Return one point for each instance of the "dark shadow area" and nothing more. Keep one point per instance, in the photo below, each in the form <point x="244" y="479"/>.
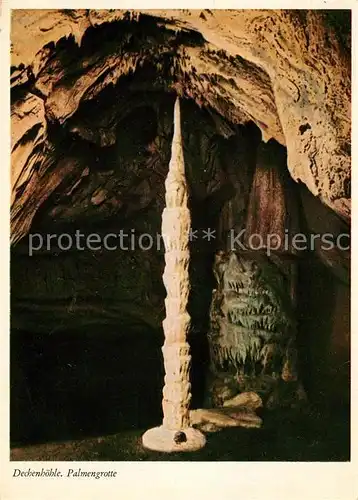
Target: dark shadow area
<point x="75" y="384"/>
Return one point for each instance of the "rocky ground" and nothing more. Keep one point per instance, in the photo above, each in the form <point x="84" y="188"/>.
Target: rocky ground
<point x="304" y="436"/>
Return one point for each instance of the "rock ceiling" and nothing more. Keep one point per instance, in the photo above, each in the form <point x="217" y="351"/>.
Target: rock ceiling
<point x="286" y="71"/>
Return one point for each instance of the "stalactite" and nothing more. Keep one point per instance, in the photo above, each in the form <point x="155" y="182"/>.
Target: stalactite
<point x="175" y="434"/>
<point x="253" y="327"/>
<point x="252" y="323"/>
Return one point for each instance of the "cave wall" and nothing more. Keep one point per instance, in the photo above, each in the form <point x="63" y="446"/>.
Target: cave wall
<point x="74" y="292"/>
<point x="122" y="290"/>
<point x="283" y="69"/>
<point x="324" y="334"/>
<point x="318" y="277"/>
<point x="92" y="98"/>
<point x="112" y="301"/>
<point x="121" y="188"/>
<point x="324" y="298"/>
<point x="69" y="291"/>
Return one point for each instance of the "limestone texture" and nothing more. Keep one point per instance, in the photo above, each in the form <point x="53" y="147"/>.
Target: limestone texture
<point x="288" y="71"/>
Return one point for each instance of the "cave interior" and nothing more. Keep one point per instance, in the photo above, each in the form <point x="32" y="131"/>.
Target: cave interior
<point x="93" y="122"/>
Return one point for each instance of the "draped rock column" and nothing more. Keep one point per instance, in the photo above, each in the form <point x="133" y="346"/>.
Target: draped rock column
<point x="252" y="337"/>
<point x="273" y="212"/>
<point x="175" y="433"/>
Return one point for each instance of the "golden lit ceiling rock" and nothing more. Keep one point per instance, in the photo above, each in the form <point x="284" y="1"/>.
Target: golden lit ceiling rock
<point x="284" y="70"/>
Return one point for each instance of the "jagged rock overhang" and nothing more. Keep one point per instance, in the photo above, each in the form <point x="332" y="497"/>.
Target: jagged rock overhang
<point x="286" y="71"/>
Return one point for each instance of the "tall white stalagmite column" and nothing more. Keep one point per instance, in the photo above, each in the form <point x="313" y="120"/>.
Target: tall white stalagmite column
<point x="175" y="433"/>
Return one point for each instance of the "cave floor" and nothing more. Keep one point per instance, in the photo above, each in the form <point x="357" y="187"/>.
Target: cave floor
<point x="285" y="436"/>
<point x="88" y="404"/>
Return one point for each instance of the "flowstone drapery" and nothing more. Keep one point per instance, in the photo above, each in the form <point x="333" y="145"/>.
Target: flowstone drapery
<point x="252" y="336"/>
<point x="175" y="434"/>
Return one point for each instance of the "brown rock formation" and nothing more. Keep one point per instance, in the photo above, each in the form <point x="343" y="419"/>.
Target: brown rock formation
<point x="285" y="70"/>
<point x="92" y="103"/>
